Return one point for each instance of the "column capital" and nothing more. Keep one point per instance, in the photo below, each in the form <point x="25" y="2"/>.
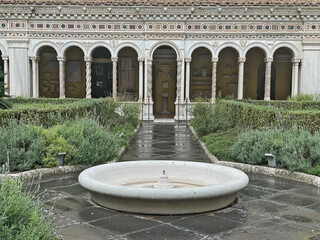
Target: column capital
<point x="88" y="59"/>
<point x="241" y="59"/>
<point x="149" y="61"/>
<point x="5" y="57"/>
<point x="179" y="60"/>
<point x="61" y="58"/>
<point x="34" y="58"/>
<point x="188" y="59"/>
<point x="268" y="59"/>
<point x="295" y="60"/>
<point x="140" y="59"/>
<point x="214" y="59"/>
<point x="114" y="59"/>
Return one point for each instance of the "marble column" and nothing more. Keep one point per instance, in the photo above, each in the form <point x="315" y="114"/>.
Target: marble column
<point x="295" y="77"/>
<point x="179" y="97"/>
<point x="88" y="61"/>
<point x="240" y="77"/>
<point x="267" y="86"/>
<point x="149" y="79"/>
<point x="6" y="74"/>
<point x="114" y="77"/>
<point x="62" y="81"/>
<point x="188" y="62"/>
<point x="141" y="59"/>
<point x="214" y="61"/>
<point x="35" y="80"/>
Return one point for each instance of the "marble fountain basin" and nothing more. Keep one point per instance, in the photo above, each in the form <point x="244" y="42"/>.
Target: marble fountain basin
<point x="163" y="187"/>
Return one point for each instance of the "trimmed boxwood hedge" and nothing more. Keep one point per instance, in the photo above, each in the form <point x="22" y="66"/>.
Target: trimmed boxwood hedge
<point x="42" y="111"/>
<point x="285" y="105"/>
<point x="258" y="116"/>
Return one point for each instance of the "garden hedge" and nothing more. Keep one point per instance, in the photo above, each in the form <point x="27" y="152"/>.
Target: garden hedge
<point x="285" y="105"/>
<point x="42" y="111"/>
<point x="258" y="115"/>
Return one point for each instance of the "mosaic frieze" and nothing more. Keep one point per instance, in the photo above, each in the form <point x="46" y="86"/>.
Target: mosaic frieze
<point x="159" y="27"/>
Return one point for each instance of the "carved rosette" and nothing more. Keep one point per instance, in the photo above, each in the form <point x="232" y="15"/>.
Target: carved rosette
<point x="179" y="67"/>
<point x="114" y="77"/>
<point x="214" y="79"/>
<point x="88" y="76"/>
<point x="62" y="76"/>
<point x="267" y="79"/>
<point x="149" y="74"/>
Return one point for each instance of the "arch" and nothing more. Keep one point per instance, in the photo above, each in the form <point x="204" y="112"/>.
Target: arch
<point x="48" y="72"/>
<point x="73" y="44"/>
<point x="38" y="46"/>
<point x="229" y="45"/>
<point x="165" y="43"/>
<point x="100" y="44"/>
<point x="199" y="45"/>
<point x="290" y="46"/>
<point x="261" y="46"/>
<point x="131" y="45"/>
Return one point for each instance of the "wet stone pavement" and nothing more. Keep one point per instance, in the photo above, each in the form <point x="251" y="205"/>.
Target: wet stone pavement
<point x="268" y="208"/>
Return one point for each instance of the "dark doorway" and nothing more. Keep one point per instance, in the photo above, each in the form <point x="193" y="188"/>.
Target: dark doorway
<point x="101" y="79"/>
<point x="164" y="80"/>
<point x="101" y="73"/>
<point x="261" y="82"/>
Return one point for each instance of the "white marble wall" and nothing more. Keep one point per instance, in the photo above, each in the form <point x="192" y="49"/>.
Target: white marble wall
<point x="310" y="82"/>
<point x="19" y="68"/>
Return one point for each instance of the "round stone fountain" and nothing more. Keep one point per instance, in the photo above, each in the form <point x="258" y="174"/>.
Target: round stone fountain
<point x="163" y="187"/>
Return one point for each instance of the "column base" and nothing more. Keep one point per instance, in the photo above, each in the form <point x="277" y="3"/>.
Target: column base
<point x="183" y="111"/>
<point x="147" y="111"/>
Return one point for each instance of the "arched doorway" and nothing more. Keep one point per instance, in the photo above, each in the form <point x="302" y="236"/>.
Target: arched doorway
<point x="200" y="74"/>
<point x="254" y="76"/>
<point x="75" y="73"/>
<point x="227" y="73"/>
<point x="164" y="80"/>
<point x="128" y="74"/>
<point x="283" y="75"/>
<point x="101" y="73"/>
<point x="48" y="73"/>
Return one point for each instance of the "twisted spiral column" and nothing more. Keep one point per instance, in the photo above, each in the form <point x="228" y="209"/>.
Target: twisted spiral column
<point x="88" y="61"/>
<point x="114" y="77"/>
<point x="214" y="79"/>
<point x="179" y="63"/>
<point x="149" y="84"/>
<point x="62" y="61"/>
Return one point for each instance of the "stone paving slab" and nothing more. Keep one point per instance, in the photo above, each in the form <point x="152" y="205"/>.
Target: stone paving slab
<point x="268" y="208"/>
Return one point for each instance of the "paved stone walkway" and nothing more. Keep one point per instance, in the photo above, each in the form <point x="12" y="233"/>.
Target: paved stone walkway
<point x="268" y="208"/>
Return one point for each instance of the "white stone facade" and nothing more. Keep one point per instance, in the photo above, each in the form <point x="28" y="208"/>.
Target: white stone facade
<point x="25" y="29"/>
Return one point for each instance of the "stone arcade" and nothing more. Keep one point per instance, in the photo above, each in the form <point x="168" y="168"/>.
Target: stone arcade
<point x="161" y="54"/>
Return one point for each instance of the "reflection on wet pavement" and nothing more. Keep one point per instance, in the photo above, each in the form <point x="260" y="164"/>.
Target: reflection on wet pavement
<point x="268" y="208"/>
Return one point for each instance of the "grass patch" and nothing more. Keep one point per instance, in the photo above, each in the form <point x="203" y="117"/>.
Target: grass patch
<point x="219" y="143"/>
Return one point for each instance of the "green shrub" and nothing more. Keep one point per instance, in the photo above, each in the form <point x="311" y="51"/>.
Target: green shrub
<point x="210" y="118"/>
<point x="220" y="142"/>
<point x="54" y="144"/>
<point x="250" y="147"/>
<point x="294" y="149"/>
<point x="92" y="142"/>
<point x="305" y="97"/>
<point x="20" y="147"/>
<point x="21" y="214"/>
